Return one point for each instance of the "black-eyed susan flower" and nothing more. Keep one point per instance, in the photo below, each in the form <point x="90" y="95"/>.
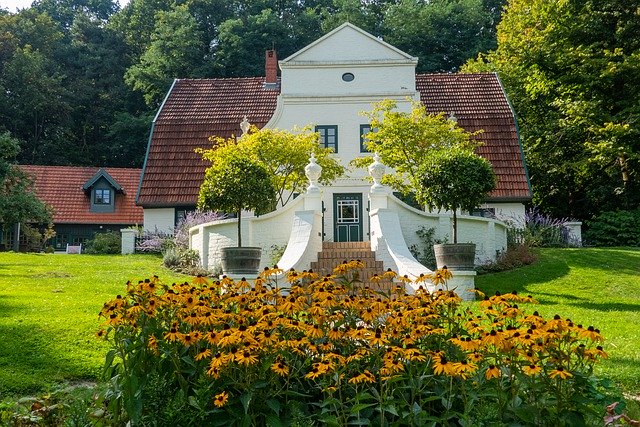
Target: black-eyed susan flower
<point x="532" y="370"/>
<point x="221" y="399"/>
<point x="172" y="335"/>
<point x="560" y="372"/>
<point x="203" y="354"/>
<point x="365" y="377"/>
<point x="280" y="368"/>
<point x="492" y="372"/>
<point x="441" y="365"/>
<point x="246" y="358"/>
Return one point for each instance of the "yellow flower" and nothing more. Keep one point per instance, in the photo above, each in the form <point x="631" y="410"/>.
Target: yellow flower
<point x="532" y="370"/>
<point x="172" y="335"/>
<point x="221" y="399"/>
<point x="492" y="372"/>
<point x="389" y="274"/>
<point x="315" y="373"/>
<point x="187" y="339"/>
<point x="591" y="333"/>
<point x="414" y="354"/>
<point x="280" y="368"/>
<point x="246" y="358"/>
<point x="464" y="368"/>
<point x="200" y="280"/>
<point x="442" y="366"/>
<point x="203" y="354"/>
<point x="560" y="372"/>
<point x="365" y="377"/>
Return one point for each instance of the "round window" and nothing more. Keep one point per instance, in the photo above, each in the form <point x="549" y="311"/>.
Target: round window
<point x="348" y="77"/>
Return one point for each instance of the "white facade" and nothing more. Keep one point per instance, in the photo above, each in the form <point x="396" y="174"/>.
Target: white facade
<point x="161" y="220"/>
<point x="314" y="92"/>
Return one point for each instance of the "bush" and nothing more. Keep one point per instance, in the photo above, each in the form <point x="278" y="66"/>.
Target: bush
<point x="514" y="257"/>
<point x="317" y="351"/>
<point x="540" y="230"/>
<point x="620" y="228"/>
<point x="104" y="244"/>
<point x="191" y="219"/>
<point x="154" y="242"/>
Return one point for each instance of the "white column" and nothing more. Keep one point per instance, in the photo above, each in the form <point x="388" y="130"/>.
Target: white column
<point x="128" y="245"/>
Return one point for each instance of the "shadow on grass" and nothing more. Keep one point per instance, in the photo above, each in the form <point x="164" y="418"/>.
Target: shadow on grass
<point x="548" y="268"/>
<point x="620" y="260"/>
<point x="612" y="306"/>
<point x="29" y="361"/>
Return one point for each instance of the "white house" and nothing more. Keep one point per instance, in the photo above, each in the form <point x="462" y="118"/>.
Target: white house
<point x="328" y="84"/>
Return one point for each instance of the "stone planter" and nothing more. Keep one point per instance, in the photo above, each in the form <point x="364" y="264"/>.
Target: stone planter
<point x="460" y="256"/>
<point x="241" y="261"/>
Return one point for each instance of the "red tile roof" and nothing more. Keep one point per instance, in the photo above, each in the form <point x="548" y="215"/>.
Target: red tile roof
<point x="196" y="109"/>
<point x="479" y="103"/>
<point x="61" y="188"/>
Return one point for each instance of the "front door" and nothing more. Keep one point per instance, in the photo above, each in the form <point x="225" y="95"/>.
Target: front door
<point x="347" y="208"/>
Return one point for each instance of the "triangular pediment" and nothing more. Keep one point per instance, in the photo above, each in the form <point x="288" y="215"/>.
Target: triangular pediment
<point x="348" y="44"/>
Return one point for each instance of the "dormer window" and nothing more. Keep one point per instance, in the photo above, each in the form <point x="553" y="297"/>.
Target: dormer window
<point x="102" y="190"/>
<point x="102" y="196"/>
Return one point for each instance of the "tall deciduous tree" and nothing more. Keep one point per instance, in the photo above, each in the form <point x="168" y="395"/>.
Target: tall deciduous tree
<point x="405" y="142"/>
<point x="442" y="33"/>
<point x="175" y="51"/>
<point x="572" y="70"/>
<point x="18" y="202"/>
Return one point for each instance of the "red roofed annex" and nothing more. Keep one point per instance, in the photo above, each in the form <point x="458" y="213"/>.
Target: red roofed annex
<point x="86" y="200"/>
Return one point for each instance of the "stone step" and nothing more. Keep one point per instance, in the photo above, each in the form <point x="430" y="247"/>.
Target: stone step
<point x="346" y="254"/>
<point x="346" y="245"/>
<point x="330" y="264"/>
<point x="335" y="253"/>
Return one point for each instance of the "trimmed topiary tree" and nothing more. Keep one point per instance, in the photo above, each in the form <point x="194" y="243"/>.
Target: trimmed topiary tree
<point x="234" y="183"/>
<point x="456" y="178"/>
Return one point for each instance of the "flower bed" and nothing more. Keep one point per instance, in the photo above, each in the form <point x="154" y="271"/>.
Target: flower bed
<point x="325" y="350"/>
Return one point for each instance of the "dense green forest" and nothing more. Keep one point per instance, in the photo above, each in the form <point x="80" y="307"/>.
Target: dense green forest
<point x="80" y="80"/>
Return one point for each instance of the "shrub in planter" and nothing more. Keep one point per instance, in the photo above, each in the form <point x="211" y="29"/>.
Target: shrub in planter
<point x="315" y="350"/>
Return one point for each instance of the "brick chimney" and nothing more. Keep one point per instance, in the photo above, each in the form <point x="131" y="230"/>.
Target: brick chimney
<point x="271" y="69"/>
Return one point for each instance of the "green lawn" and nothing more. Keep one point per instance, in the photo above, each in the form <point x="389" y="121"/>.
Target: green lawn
<point x="599" y="287"/>
<point x="49" y="307"/>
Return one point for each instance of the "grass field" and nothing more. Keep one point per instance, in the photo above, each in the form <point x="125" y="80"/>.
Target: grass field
<point x="594" y="286"/>
<point x="49" y="306"/>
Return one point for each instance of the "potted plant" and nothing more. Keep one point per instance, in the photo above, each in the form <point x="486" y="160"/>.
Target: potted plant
<point x="456" y="178"/>
<point x="233" y="183"/>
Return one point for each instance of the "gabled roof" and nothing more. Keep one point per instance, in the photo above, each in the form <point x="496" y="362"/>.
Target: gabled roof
<point x="350" y="44"/>
<point x="62" y="188"/>
<point x="96" y="177"/>
<point x="194" y="110"/>
<point x="479" y="103"/>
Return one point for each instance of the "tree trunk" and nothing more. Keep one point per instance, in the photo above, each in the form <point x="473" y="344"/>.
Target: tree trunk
<point x="455" y="226"/>
<point x="239" y="229"/>
<point x="16" y="237"/>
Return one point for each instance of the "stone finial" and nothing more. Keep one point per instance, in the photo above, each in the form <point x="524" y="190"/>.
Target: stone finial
<point x="313" y="171"/>
<point x="376" y="170"/>
<point x="244" y="125"/>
